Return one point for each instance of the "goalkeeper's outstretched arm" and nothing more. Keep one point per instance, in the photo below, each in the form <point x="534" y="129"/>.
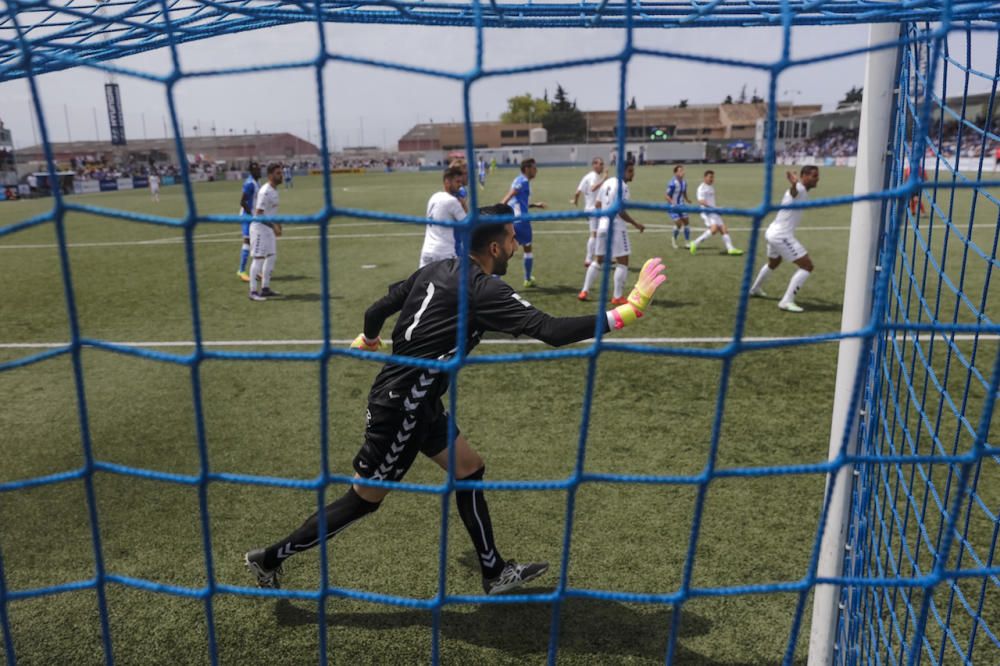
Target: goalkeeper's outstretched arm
<point x="507" y="312"/>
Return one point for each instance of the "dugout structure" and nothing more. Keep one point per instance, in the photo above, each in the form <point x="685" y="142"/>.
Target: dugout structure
<point x="903" y="567"/>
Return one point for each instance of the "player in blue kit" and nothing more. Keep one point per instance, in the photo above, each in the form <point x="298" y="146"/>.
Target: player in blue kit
<point x="246" y="212"/>
<point x="677" y="194"/>
<point x="519" y="199"/>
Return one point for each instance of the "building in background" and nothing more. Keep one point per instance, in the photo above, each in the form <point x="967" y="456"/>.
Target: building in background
<point x="451" y="136"/>
<point x="233" y="151"/>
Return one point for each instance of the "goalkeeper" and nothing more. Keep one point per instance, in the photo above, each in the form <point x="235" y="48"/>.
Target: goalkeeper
<point x="405" y="412"/>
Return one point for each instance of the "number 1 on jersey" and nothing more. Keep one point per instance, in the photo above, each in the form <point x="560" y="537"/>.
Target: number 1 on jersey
<point x="423" y="306"/>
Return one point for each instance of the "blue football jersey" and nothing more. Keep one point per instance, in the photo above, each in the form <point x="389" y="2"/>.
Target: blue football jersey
<point x="250" y="187"/>
<point x="522" y="187"/>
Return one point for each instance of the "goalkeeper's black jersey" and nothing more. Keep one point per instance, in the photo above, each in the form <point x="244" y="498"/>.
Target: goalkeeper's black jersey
<point x="428" y="326"/>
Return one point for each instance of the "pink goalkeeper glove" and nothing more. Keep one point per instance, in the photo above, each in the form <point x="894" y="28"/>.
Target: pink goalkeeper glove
<point x="650" y="277"/>
<point x="364" y="344"/>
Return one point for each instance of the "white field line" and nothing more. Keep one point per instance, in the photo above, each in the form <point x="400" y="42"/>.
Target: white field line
<point x="499" y="341"/>
<point x="234" y="237"/>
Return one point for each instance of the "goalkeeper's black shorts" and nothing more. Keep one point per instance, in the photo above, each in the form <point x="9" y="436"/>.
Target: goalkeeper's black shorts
<point x="394" y="436"/>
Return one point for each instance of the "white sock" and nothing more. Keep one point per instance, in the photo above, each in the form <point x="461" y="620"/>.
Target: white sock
<point x="592" y="272"/>
<point x="704" y="236"/>
<point x="591" y="241"/>
<point x="728" y="241"/>
<point x="798" y="279"/>
<point x="265" y="281"/>
<point x="765" y="272"/>
<point x="256" y="266"/>
<point x="621" y="274"/>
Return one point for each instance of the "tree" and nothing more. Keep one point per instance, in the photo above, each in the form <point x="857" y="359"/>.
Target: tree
<point x="852" y="96"/>
<point x="632" y="105"/>
<point x="564" y="122"/>
<point x="524" y="109"/>
<point x="561" y="101"/>
<point x="743" y="95"/>
<point x="728" y="100"/>
<point x="683" y="104"/>
<point x="756" y="99"/>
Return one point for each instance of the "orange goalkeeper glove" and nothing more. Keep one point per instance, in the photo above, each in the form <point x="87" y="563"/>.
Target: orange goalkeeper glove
<point x="365" y="344"/>
<point x="650" y="277"/>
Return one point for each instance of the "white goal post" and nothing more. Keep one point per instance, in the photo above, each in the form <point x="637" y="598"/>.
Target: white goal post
<point x="877" y="111"/>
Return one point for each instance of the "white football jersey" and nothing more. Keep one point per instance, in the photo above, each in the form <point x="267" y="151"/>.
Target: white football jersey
<point x="267" y="201"/>
<point x="706" y="193"/>
<point x="439" y="241"/>
<point x="609" y="193"/>
<point x="587" y="188"/>
<point x="154" y="182"/>
<point x="787" y="220"/>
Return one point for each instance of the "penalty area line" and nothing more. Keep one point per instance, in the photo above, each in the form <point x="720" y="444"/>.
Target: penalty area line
<point x="488" y="341"/>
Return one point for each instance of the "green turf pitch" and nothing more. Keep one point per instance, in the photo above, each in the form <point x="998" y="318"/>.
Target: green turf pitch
<point x="652" y="415"/>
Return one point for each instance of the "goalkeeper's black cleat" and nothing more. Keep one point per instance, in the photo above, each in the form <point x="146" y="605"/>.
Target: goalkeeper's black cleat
<point x="267" y="578"/>
<point x="514" y="575"/>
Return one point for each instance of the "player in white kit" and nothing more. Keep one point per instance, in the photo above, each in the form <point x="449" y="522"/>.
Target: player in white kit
<point x="713" y="221"/>
<point x="588" y="188"/>
<point x="264" y="235"/>
<point x="440" y="241"/>
<point x="154" y="186"/>
<point x="620" y="246"/>
<point x="781" y="241"/>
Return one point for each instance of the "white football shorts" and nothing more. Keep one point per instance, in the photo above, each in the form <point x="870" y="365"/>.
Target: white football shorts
<point x="620" y="247"/>
<point x="712" y="219"/>
<point x="592" y="221"/>
<point x="784" y="246"/>
<point x="263" y="242"/>
<point x="430" y="257"/>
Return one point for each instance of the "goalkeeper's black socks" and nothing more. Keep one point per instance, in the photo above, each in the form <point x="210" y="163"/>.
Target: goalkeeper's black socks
<point x="476" y="516"/>
<point x="339" y="515"/>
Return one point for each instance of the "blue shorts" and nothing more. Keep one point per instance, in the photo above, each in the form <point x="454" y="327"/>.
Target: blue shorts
<point x="246" y="226"/>
<point x="522" y="233"/>
<point x="678" y="216"/>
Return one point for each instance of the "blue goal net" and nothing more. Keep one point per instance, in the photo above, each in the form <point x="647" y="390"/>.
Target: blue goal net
<point x="919" y="581"/>
<point x="924" y="523"/>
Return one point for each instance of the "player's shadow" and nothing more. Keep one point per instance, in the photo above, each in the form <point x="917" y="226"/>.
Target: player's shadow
<point x="554" y="290"/>
<point x="820" y="305"/>
<point x="587" y="627"/>
<point x="289" y="278"/>
<point x="307" y="298"/>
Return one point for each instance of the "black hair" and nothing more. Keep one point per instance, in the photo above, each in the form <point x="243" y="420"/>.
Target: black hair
<point x="709" y="172"/>
<point x="491" y="232"/>
<point x="678" y="166"/>
<point x="527" y="162"/>
<point x="809" y="168"/>
<point x="453" y="172"/>
<point x="272" y="167"/>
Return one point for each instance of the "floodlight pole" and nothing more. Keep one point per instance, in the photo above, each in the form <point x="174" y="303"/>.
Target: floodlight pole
<point x="877" y="106"/>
